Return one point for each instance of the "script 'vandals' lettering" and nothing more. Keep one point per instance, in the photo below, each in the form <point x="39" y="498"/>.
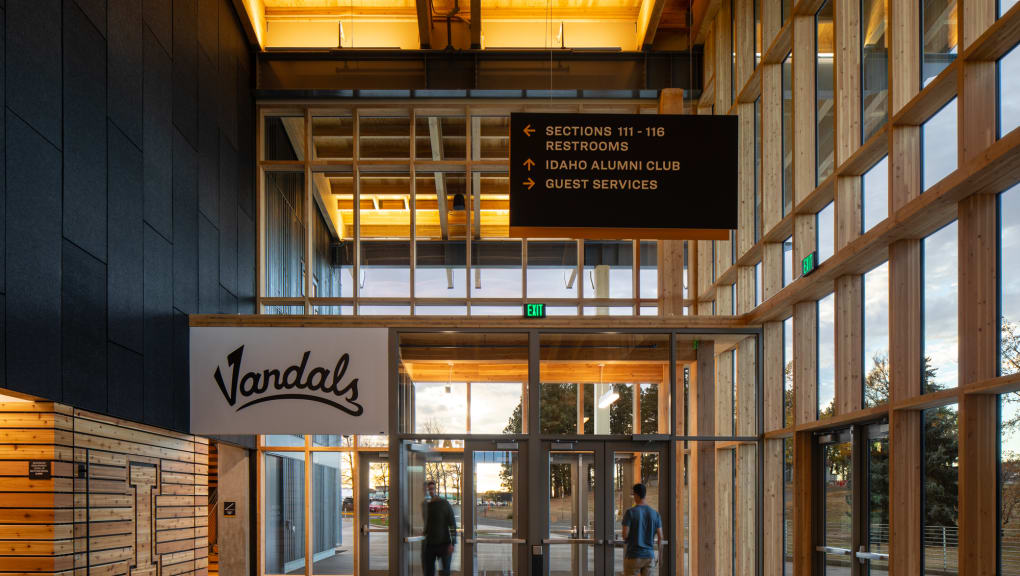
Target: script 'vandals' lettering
<point x="318" y="381"/>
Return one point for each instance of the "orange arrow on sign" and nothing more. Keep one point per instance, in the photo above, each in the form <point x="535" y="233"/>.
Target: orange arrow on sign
<point x="529" y="183"/>
<point x="529" y="163"/>
<point x="528" y="130"/>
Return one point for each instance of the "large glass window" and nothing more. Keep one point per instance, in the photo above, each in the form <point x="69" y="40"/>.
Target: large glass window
<point x="552" y="269"/>
<point x="787" y="159"/>
<point x="284" y="138"/>
<point x="332" y="520"/>
<point x="733" y="52"/>
<point x="939" y="37"/>
<point x="938" y="146"/>
<point x="788" y="261"/>
<point x="875" y="194"/>
<point x="1004" y="6"/>
<point x="649" y="270"/>
<point x="940" y="291"/>
<point x="825" y="141"/>
<point x="874" y="66"/>
<point x="827" y="356"/>
<point x="757" y="32"/>
<point x="385" y="229"/>
<point x="284" y="509"/>
<point x="876" y="335"/>
<point x="285" y="234"/>
<point x="1009" y="279"/>
<point x="825" y="230"/>
<point x="608" y="269"/>
<point x="440" y="228"/>
<point x="1009" y="86"/>
<point x="1009" y="483"/>
<point x="940" y="533"/>
<point x="463" y="383"/>
<point x="787" y="555"/>
<point x="758" y="288"/>
<point x="604" y="384"/>
<point x="342" y="241"/>
<point x="788" y="372"/>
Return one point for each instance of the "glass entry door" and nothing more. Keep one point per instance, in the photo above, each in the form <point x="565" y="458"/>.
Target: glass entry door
<point x="873" y="551"/>
<point x="836" y="477"/>
<point x="374" y="513"/>
<point x="853" y="485"/>
<point x="495" y="518"/>
<point x="424" y="463"/>
<point x="590" y="490"/>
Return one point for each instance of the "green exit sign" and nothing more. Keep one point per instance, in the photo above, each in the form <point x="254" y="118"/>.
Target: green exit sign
<point x="534" y="310"/>
<point x="809" y="264"/>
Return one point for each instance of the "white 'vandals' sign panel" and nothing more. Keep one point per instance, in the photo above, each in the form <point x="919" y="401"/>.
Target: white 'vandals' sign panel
<point x="261" y="380"/>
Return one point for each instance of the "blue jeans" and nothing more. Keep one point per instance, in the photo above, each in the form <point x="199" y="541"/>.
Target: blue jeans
<point x="429" y="555"/>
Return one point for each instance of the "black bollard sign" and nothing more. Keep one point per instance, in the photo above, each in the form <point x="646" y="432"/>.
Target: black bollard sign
<point x="619" y="176"/>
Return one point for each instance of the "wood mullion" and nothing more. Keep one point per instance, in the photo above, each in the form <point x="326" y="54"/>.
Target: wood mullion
<point x="979" y="361"/>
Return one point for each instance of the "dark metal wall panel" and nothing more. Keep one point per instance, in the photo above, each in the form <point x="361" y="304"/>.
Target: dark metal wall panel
<point x="208" y="267"/>
<point x="185" y="69"/>
<point x="113" y="192"/>
<point x="33" y="64"/>
<point x="228" y="216"/>
<point x="124" y="280"/>
<point x="84" y="73"/>
<point x="157" y="344"/>
<point x="124" y="395"/>
<point x="185" y="184"/>
<point x="124" y="54"/>
<point x="83" y="328"/>
<point x="157" y="135"/>
<point x="33" y="261"/>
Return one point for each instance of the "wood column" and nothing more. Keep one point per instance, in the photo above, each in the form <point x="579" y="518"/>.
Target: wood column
<point x="671" y="252"/>
<point x="701" y="478"/>
<point x="805" y="371"/>
<point x="747" y="458"/>
<point x="849" y="344"/>
<point x="905" y="425"/>
<point x="978" y="413"/>
<point x="805" y="504"/>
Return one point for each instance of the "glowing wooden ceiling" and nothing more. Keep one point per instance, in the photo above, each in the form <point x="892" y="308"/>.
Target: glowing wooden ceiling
<point x="408" y="24"/>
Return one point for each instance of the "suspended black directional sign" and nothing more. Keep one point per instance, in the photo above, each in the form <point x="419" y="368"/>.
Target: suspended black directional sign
<point x="623" y="176"/>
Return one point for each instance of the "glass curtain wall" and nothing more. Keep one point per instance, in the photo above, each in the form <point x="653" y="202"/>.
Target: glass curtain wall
<point x="825" y="142"/>
<point x="1009" y="363"/>
<point x="874" y="66"/>
<point x="310" y="481"/>
<point x="400" y="210"/>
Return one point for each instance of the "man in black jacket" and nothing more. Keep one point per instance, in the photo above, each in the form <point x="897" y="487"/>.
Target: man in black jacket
<point x="440" y="533"/>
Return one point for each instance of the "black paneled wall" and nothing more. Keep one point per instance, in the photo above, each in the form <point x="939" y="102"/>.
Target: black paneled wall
<point x="126" y="196"/>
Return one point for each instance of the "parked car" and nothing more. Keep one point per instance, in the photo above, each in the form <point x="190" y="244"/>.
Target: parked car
<point x="348" y="504"/>
<point x="375" y="506"/>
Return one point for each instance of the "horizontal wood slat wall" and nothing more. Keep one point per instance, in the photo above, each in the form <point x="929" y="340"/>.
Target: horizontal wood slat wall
<point x="123" y="498"/>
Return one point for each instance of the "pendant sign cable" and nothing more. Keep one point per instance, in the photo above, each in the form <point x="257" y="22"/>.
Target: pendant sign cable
<point x="619" y="176"/>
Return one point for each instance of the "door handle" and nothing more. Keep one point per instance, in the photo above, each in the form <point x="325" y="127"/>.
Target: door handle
<point x="364" y="529"/>
<point x="833" y="550"/>
<point x="863" y="555"/>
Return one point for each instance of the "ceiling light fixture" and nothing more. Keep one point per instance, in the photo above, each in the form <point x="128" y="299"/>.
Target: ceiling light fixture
<point x="609" y="396"/>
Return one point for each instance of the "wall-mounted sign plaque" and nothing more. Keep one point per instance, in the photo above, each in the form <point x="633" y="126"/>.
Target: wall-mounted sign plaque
<point x="39" y="469"/>
<point x="620" y="176"/>
<point x="261" y="380"/>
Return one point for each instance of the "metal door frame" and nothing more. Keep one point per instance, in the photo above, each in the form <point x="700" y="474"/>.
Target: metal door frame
<point x="666" y="499"/>
<point x="365" y="460"/>
<point x="535" y="458"/>
<point x="859" y="436"/>
<point x="520" y="502"/>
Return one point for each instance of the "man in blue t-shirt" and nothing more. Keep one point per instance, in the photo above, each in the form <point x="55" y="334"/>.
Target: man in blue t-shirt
<point x="640" y="524"/>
